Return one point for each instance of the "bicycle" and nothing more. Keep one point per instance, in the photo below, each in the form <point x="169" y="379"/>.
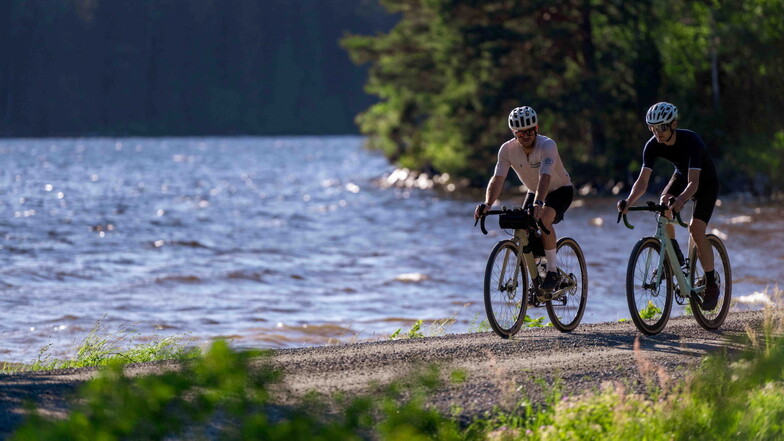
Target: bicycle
<point x="652" y="265"/>
<point x="513" y="262"/>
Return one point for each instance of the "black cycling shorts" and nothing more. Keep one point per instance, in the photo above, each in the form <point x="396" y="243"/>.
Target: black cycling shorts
<point x="704" y="199"/>
<point x="559" y="199"/>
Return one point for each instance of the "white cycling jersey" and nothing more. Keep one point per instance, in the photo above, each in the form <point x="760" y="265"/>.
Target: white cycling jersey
<point x="544" y="159"/>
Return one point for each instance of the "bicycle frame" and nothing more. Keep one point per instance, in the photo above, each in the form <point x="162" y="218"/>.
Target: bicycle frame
<point x="685" y="285"/>
<point x="521" y="237"/>
<point x="513" y="263"/>
<point x="688" y="286"/>
<point x="664" y="240"/>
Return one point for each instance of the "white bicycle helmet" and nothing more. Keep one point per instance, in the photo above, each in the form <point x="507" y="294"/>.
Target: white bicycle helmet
<point x="523" y="118"/>
<point x="661" y="113"/>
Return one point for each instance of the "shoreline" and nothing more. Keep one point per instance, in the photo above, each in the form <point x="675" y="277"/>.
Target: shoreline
<point x="533" y="362"/>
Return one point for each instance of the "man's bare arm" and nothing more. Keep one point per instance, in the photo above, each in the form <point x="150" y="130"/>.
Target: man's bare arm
<point x="639" y="188"/>
<point x="494" y="188"/>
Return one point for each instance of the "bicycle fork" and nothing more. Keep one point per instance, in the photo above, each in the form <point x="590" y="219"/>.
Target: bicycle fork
<point x="503" y="283"/>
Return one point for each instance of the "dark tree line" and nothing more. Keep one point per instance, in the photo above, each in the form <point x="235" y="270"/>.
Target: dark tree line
<point x="450" y="71"/>
<point x="444" y="73"/>
<point x="181" y="67"/>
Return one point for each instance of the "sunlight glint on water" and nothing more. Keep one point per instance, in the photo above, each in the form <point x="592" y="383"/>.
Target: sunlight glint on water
<point x="272" y="242"/>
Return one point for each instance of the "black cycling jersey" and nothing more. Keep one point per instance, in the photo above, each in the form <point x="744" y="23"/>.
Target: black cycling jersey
<point x="688" y="151"/>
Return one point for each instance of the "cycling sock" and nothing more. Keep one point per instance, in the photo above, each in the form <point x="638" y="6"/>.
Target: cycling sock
<point x="678" y="252"/>
<point x="550" y="256"/>
<point x="710" y="277"/>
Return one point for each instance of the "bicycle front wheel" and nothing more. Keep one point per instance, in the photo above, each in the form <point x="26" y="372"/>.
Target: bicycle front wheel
<point x="506" y="285"/>
<point x="649" y="298"/>
<point x="721" y="263"/>
<point x="567" y="308"/>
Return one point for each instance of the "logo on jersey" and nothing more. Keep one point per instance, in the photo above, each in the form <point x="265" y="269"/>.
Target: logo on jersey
<point x="548" y="162"/>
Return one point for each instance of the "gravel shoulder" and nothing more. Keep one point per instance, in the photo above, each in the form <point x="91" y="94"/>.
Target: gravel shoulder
<point x="498" y="371"/>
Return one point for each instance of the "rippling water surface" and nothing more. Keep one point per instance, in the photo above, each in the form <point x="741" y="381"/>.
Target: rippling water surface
<point x="273" y="242"/>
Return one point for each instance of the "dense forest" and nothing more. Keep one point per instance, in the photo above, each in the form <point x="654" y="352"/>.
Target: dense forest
<point x="450" y="71"/>
<point x="181" y="67"/>
<point x="431" y="81"/>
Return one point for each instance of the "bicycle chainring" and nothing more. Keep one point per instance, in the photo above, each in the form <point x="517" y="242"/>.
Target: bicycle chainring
<point x="679" y="299"/>
<point x="533" y="298"/>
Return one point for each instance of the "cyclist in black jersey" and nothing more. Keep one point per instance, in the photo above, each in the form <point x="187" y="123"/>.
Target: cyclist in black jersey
<point x="694" y="178"/>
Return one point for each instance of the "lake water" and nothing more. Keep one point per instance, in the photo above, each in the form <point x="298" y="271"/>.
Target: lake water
<point x="276" y="242"/>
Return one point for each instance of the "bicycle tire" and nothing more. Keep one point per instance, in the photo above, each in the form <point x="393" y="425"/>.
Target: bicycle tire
<point x="649" y="309"/>
<point x="505" y="300"/>
<point x="713" y="319"/>
<point x="571" y="262"/>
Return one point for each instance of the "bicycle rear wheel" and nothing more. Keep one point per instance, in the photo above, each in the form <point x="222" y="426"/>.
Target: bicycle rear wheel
<point x="567" y="308"/>
<point x="712" y="319"/>
<point x="505" y="294"/>
<point x="649" y="302"/>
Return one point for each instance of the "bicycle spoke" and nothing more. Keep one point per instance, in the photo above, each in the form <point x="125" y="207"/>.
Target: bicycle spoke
<point x="649" y="294"/>
<point x="568" y="304"/>
<point x="714" y="318"/>
<point x="504" y="290"/>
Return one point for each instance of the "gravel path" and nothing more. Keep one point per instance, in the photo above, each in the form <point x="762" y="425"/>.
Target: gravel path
<point x="498" y="371"/>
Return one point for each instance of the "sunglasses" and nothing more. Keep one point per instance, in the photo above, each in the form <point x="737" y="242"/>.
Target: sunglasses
<point x="659" y="128"/>
<point x="528" y="132"/>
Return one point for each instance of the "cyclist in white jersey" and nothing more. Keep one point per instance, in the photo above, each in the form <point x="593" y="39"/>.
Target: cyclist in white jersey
<point x="536" y="161"/>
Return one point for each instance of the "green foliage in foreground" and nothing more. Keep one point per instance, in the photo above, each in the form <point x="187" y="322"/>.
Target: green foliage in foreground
<point x="227" y="394"/>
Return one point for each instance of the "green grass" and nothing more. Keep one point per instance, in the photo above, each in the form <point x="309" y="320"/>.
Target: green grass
<point x="650" y="311"/>
<point x="414" y="332"/>
<point x="479" y="324"/>
<point x="535" y="322"/>
<point x="101" y="348"/>
<point x="727" y="398"/>
<point x="440" y="327"/>
<point x="226" y="394"/>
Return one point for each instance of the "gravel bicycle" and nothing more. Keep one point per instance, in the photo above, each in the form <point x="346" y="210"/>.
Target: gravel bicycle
<point x="653" y="265"/>
<point x="516" y="268"/>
